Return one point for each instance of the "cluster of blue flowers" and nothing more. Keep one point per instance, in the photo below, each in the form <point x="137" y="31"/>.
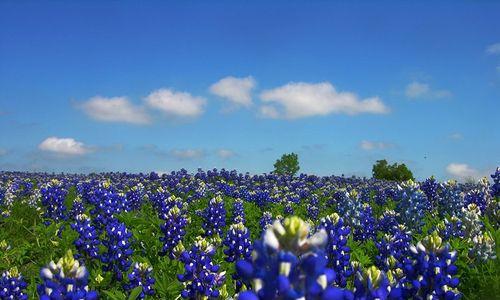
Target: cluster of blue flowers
<point x="53" y="195"/>
<point x="66" y="279"/>
<point x="118" y="250"/>
<point x="12" y="285"/>
<point x="337" y="252"/>
<point x="173" y="231"/>
<point x="200" y="277"/>
<point x="88" y="240"/>
<point x="141" y="276"/>
<point x="214" y="217"/>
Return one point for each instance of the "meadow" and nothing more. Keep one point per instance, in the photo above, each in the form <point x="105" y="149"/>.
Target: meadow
<point x="220" y="234"/>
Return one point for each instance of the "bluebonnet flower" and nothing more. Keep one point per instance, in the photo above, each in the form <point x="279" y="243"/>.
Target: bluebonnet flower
<point x="288" y="208"/>
<point x="238" y="246"/>
<point x="53" y="196"/>
<point x="412" y="205"/>
<point x="238" y="243"/>
<point x="134" y="197"/>
<point x="336" y="250"/>
<point x="429" y="273"/>
<point x="173" y="230"/>
<point x="107" y="203"/>
<point x="238" y="212"/>
<point x="393" y="246"/>
<point x="214" y="217"/>
<point x="266" y="220"/>
<point x="118" y="251"/>
<point x="200" y="278"/>
<point x="88" y="241"/>
<point x="471" y="221"/>
<point x="388" y="222"/>
<point x="483" y="247"/>
<point x="371" y="284"/>
<point x="286" y="264"/>
<point x="313" y="208"/>
<point x="451" y="228"/>
<point x="477" y="197"/>
<point x="451" y="199"/>
<point x="12" y="285"/>
<point x="430" y="188"/>
<point x="141" y="276"/>
<point x="65" y="280"/>
<point x="495" y="187"/>
<point x="78" y="208"/>
<point x="365" y="227"/>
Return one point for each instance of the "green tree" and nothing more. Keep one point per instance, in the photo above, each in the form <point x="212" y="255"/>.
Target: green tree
<point x="288" y="164"/>
<point x="397" y="172"/>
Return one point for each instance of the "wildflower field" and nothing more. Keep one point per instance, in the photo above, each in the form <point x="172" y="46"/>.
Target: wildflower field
<point x="220" y="234"/>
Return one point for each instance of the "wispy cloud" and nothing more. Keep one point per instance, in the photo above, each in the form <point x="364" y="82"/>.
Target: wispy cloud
<point x="176" y="104"/>
<point x="300" y="100"/>
<point x="187" y="154"/>
<point x="235" y="90"/>
<point x="456" y="136"/>
<point x="373" y="145"/>
<point x="493" y="49"/>
<point x="462" y="171"/>
<point x="225" y="153"/>
<point x="3" y="152"/>
<point x="64" y="146"/>
<point x="114" y="109"/>
<point x="417" y="90"/>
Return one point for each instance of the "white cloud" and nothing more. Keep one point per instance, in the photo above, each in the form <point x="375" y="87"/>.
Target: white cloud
<point x="3" y="152"/>
<point x="65" y="146"/>
<point x="187" y="153"/>
<point x="235" y="90"/>
<point x="175" y="103"/>
<point x="417" y="89"/>
<point x="225" y="153"/>
<point x="493" y="49"/>
<point x="456" y="136"/>
<point x="371" y="145"/>
<point x="115" y="109"/>
<point x="462" y="171"/>
<point x="300" y="100"/>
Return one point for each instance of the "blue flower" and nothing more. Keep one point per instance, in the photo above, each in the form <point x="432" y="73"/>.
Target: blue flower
<point x="173" y="230"/>
<point x="118" y="251"/>
<point x="141" y="276"/>
<point x="12" y="285"/>
<point x="214" y="217"/>
<point x="287" y="264"/>
<point x="200" y="277"/>
<point x="65" y="280"/>
<point x="88" y="241"/>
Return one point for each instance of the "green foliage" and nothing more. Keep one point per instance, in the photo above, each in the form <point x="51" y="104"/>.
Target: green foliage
<point x="288" y="164"/>
<point x="396" y="172"/>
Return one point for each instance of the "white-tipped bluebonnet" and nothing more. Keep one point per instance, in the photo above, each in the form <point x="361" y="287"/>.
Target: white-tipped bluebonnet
<point x="287" y="264"/>
<point x="173" y="230"/>
<point x="53" y="196"/>
<point x="214" y="217"/>
<point x="88" y="241"/>
<point x="429" y="274"/>
<point x="201" y="277"/>
<point x="238" y="212"/>
<point x="66" y="279"/>
<point x="13" y="286"/>
<point x="118" y="251"/>
<point x="495" y="187"/>
<point x="266" y="220"/>
<point x="141" y="275"/>
<point x="336" y="250"/>
<point x="412" y="204"/>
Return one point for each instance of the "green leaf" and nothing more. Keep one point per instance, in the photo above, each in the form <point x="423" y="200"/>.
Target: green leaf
<point x="134" y="294"/>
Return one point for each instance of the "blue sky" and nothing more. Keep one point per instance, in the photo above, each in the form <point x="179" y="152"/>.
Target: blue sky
<point x="133" y="86"/>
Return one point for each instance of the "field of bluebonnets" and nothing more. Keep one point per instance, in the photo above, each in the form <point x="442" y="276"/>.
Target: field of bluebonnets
<point x="221" y="234"/>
